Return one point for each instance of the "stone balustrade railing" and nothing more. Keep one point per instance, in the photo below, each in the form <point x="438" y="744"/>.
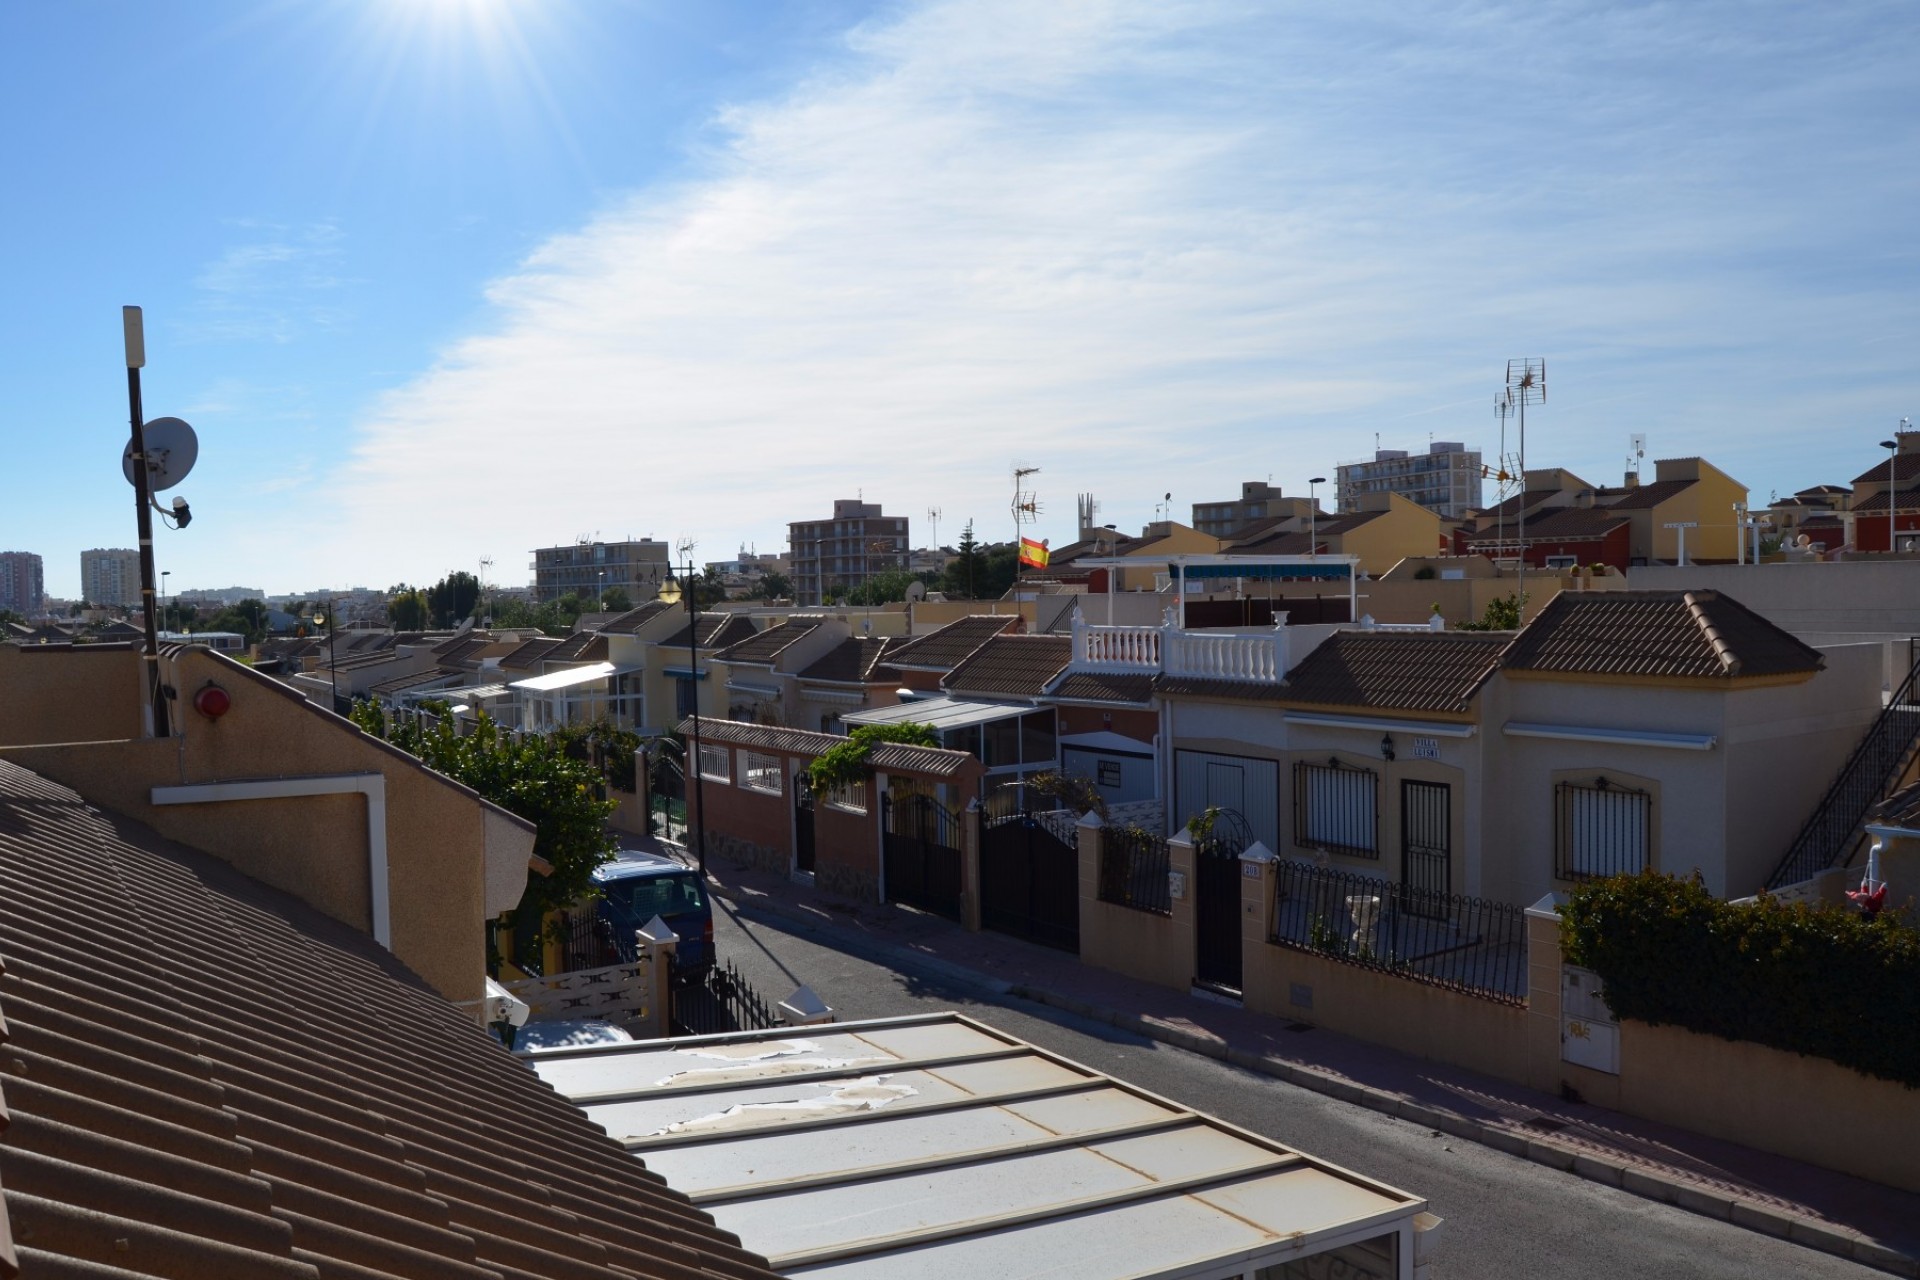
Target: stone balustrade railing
<point x="1259" y="657"/>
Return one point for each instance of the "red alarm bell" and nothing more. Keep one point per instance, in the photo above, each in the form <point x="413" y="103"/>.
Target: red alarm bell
<point x="212" y="702"/>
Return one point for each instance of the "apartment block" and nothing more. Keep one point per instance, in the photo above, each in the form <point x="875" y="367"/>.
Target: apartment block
<point x="840" y="554"/>
<point x="110" y="576"/>
<point x="1258" y="500"/>
<point x="591" y="568"/>
<point x="1446" y="478"/>
<point x="23" y="584"/>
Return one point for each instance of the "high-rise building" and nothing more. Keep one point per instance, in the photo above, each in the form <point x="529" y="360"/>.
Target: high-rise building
<point x="23" y="585"/>
<point x="1446" y="478"/>
<point x="589" y="569"/>
<point x="110" y="577"/>
<point x="841" y="554"/>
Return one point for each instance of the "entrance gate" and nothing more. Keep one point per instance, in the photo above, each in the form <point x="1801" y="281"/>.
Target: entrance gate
<point x="1426" y="848"/>
<point x="920" y="844"/>
<point x="802" y="822"/>
<point x="1030" y="877"/>
<point x="1216" y="923"/>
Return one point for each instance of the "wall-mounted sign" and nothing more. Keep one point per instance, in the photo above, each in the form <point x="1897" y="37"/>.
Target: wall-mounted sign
<point x="1426" y="748"/>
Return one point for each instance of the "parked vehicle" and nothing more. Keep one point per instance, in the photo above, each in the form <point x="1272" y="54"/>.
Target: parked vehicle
<point x="637" y="886"/>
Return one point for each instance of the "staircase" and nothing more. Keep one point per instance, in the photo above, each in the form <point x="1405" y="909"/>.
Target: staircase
<point x="1833" y="834"/>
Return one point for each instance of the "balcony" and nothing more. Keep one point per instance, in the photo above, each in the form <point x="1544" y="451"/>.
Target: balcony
<point x="1258" y="658"/>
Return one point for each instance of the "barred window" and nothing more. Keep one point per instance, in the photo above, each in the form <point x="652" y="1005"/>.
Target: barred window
<point x="1601" y="830"/>
<point x="851" y="796"/>
<point x="1336" y="808"/>
<point x="761" y="772"/>
<point x="714" y="763"/>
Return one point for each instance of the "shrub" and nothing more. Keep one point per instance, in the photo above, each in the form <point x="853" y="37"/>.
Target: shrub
<point x="846" y="763"/>
<point x="1820" y="981"/>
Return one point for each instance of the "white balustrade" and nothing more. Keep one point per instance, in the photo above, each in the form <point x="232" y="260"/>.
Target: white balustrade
<point x="1258" y="658"/>
<point x="1115" y="648"/>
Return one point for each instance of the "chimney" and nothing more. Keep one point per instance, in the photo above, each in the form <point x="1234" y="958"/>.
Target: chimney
<point x="1632" y="481"/>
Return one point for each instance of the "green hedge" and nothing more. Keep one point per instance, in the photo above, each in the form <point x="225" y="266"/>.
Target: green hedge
<point x="1822" y="981"/>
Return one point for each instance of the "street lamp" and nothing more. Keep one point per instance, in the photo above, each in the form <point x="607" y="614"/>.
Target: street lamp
<point x="1893" y="455"/>
<point x="333" y="647"/>
<point x="1313" y="518"/>
<point x="669" y="590"/>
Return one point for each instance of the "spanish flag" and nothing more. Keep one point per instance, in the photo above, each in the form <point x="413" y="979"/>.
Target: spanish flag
<point x="1033" y="554"/>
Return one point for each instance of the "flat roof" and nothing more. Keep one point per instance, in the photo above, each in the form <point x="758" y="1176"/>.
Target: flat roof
<point x="939" y="713"/>
<point x="568" y="677"/>
<point x="940" y="1148"/>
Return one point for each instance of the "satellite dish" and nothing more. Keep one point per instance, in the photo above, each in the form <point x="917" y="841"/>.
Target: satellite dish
<point x="172" y="449"/>
<point x="916" y="591"/>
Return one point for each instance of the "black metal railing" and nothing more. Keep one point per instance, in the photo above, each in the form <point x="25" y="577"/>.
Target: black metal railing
<point x="718" y="999"/>
<point x="1448" y="940"/>
<point x="1336" y="807"/>
<point x="589" y="941"/>
<point x="1600" y="830"/>
<point x="1832" y="834"/>
<point x="1133" y="870"/>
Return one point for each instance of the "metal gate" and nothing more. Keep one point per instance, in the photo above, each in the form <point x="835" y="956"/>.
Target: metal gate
<point x="1216" y="922"/>
<point x="802" y="822"/>
<point x="920" y="842"/>
<point x="1030" y="877"/>
<point x="1426" y="848"/>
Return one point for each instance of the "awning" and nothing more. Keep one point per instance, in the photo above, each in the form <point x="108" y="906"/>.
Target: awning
<point x="473" y="693"/>
<point x="1268" y="571"/>
<point x="570" y="678"/>
<point x="757" y="690"/>
<point x="940" y="1148"/>
<point x="939" y="713"/>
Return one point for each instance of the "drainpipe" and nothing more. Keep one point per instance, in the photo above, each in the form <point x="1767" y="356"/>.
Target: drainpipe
<point x="371" y="785"/>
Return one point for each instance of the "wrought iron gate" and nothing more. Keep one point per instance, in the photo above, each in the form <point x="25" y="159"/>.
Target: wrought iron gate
<point x="1030" y="877"/>
<point x="802" y="822"/>
<point x="920" y="841"/>
<point x="1217" y="899"/>
<point x="1426" y="848"/>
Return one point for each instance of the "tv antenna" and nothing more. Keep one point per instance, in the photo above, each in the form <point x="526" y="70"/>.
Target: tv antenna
<point x="933" y="518"/>
<point x="1526" y="384"/>
<point x="1638" y="443"/>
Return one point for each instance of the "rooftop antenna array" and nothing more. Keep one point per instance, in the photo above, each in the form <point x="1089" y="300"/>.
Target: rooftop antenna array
<point x="1526" y="384"/>
<point x="1026" y="506"/>
<point x="933" y="519"/>
<point x="1638" y="442"/>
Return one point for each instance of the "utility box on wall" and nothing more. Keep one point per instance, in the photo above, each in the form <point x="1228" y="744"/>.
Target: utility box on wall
<point x="1589" y="1033"/>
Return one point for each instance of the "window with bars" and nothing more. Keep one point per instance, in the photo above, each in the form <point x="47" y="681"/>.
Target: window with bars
<point x="762" y="772"/>
<point x="715" y="763"/>
<point x="851" y="796"/>
<point x="1601" y="829"/>
<point x="1336" y="808"/>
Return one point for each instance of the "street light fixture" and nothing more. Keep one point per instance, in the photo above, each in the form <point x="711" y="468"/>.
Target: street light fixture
<point x="328" y="618"/>
<point x="1313" y="518"/>
<point x="671" y="590"/>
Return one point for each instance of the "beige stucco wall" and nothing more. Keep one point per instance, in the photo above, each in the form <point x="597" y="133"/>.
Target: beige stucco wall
<point x="452" y="859"/>
<point x="1405" y="529"/>
<point x="1140" y="944"/>
<point x="61" y="693"/>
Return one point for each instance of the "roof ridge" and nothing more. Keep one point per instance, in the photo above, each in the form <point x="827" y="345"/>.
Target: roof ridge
<point x="1696" y="606"/>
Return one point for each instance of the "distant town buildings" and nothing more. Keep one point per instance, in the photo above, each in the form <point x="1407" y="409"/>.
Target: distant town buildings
<point x="110" y="576"/>
<point x="840" y="554"/>
<point x="23" y="584"/>
<point x="1446" y="478"/>
<point x="589" y="569"/>
<point x="1258" y="500"/>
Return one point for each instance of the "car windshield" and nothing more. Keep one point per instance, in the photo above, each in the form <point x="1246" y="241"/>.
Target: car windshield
<point x="662" y="895"/>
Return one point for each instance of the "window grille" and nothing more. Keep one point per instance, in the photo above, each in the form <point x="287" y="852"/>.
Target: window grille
<point x="1336" y="808"/>
<point x="761" y="772"/>
<point x="714" y="763"/>
<point x="851" y="796"/>
<point x="1601" y="830"/>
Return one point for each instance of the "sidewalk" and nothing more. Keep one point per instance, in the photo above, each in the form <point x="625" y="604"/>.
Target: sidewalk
<point x="1871" y="1224"/>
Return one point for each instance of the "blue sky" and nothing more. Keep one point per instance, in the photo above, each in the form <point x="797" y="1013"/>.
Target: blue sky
<point x="444" y="279"/>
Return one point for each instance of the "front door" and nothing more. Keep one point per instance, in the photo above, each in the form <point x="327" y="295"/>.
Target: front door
<point x="802" y="822"/>
<point x="1426" y="847"/>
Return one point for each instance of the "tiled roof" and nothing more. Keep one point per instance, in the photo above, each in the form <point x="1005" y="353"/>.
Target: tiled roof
<point x="765" y="646"/>
<point x="1111" y="542"/>
<point x="207" y="1077"/>
<point x="530" y="653"/>
<point x="581" y="646"/>
<point x="1906" y="466"/>
<point x="937" y="761"/>
<point x="1901" y="809"/>
<point x="633" y="619"/>
<point x="1297" y="542"/>
<point x="1560" y="522"/>
<point x="361" y="661"/>
<point x="1641" y="497"/>
<point x="1397" y="670"/>
<point x="1096" y="686"/>
<point x="1197" y="687"/>
<point x="945" y="649"/>
<point x="1909" y="499"/>
<point x="414" y="681"/>
<point x="717" y="631"/>
<point x="1526" y="500"/>
<point x="1656" y="633"/>
<point x="1013" y="666"/>
<point x="460" y="649"/>
<point x="852" y="661"/>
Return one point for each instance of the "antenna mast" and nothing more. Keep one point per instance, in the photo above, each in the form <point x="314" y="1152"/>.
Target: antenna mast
<point x="933" y="519"/>
<point x="1526" y="384"/>
<point x="1026" y="509"/>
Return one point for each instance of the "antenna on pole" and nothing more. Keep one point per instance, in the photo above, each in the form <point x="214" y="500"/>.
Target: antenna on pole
<point x="1638" y="441"/>
<point x="1026" y="508"/>
<point x="933" y="518"/>
<point x="1526" y="384"/>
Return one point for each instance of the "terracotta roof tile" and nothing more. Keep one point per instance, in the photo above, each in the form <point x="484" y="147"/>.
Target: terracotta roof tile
<point x="1909" y="498"/>
<point x="1656" y="633"/>
<point x="633" y="619"/>
<point x="207" y="1077"/>
<point x="717" y="631"/>
<point x="1641" y="497"/>
<point x="1559" y="522"/>
<point x="1906" y="466"/>
<point x="852" y="661"/>
<point x="945" y="649"/>
<point x="765" y="646"/>
<point x="1436" y="671"/>
<point x="1095" y="686"/>
<point x="1238" y="690"/>
<point x="530" y="653"/>
<point x="1017" y="666"/>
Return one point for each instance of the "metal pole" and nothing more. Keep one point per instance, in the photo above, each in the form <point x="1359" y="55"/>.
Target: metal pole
<point x="333" y="650"/>
<point x="693" y="755"/>
<point x="142" y="497"/>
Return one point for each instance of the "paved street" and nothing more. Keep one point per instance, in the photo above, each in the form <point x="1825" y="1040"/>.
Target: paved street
<point x="1505" y="1217"/>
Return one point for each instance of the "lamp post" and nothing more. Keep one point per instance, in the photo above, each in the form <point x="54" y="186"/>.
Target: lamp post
<point x="688" y="594"/>
<point x="1893" y="456"/>
<point x="164" y="575"/>
<point x="1313" y="517"/>
<point x="329" y="618"/>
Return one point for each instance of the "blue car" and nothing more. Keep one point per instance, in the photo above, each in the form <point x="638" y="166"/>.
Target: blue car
<point x="635" y="887"/>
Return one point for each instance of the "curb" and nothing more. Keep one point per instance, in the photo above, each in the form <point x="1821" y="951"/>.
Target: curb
<point x="1648" y="1182"/>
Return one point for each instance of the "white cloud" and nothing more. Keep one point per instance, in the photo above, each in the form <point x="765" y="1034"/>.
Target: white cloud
<point x="1155" y="245"/>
